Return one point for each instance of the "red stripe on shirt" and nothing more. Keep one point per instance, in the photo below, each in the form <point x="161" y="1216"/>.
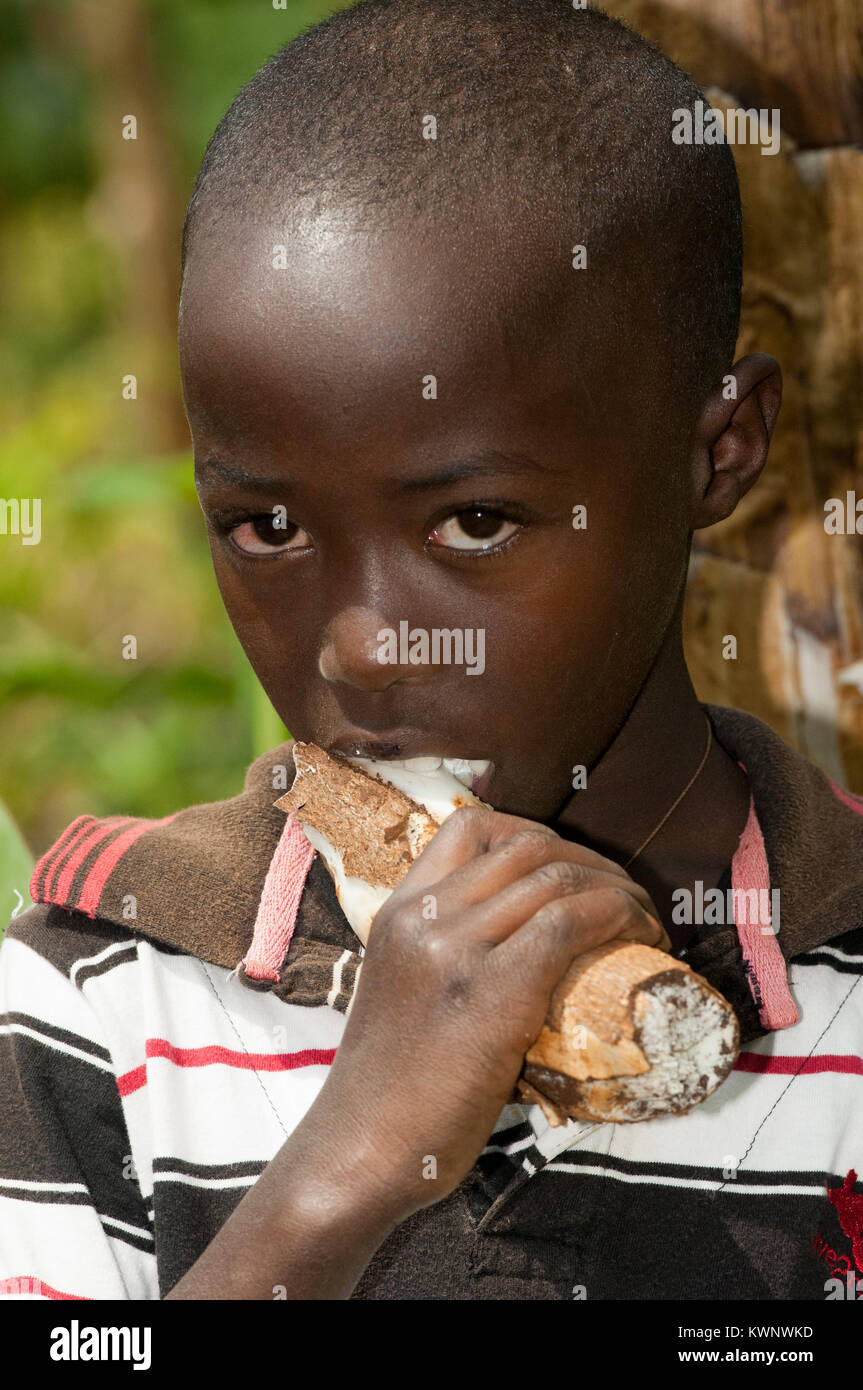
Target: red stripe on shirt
<point x="97" y="832"/>
<point x="854" y="803"/>
<point x="94" y="883"/>
<point x="846" y="1063"/>
<point x="132" y="1080"/>
<point x="36" y="1286"/>
<point x="215" y="1055"/>
<point x="47" y="865"/>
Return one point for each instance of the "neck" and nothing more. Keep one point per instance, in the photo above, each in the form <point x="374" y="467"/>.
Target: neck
<point x="638" y="777"/>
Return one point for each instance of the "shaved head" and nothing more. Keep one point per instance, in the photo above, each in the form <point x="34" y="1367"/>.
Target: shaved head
<point x="414" y="112"/>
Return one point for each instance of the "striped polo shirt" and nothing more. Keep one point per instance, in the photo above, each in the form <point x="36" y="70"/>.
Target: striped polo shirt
<point x="146" y="1081"/>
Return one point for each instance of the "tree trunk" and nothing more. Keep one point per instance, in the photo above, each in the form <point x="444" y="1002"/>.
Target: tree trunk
<point x="771" y="575"/>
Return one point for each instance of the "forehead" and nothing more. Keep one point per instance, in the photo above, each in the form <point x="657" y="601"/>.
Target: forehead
<point x="332" y="318"/>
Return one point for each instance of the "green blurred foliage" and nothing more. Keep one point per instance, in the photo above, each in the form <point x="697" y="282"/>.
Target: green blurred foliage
<point x="123" y="547"/>
<point x="16" y="866"/>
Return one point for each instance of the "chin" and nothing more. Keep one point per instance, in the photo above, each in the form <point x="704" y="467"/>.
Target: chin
<point x="532" y="802"/>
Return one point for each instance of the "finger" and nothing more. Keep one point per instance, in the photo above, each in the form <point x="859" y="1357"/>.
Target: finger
<point x="661" y="940"/>
<point x="463" y="837"/>
<point x="497" y="917"/>
<point x="564" y="928"/>
<point x="514" y="851"/>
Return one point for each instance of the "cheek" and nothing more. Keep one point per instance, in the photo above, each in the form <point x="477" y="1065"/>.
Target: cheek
<point x="256" y="615"/>
<point x="232" y="591"/>
<point x="278" y="632"/>
<point x="585" y="637"/>
<point x="570" y="622"/>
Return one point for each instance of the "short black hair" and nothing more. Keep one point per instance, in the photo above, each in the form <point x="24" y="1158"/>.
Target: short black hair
<point x="537" y="103"/>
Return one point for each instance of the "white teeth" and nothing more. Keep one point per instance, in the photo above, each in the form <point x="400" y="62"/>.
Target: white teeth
<point x="422" y="765"/>
<point x="460" y="768"/>
<point x="467" y="770"/>
<point x="438" y="790"/>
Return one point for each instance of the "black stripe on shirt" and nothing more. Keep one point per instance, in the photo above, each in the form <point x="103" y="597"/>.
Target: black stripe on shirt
<point x="842" y="967"/>
<point x="127" y="956"/>
<point x="205" y="1171"/>
<point x="61" y="1121"/>
<point x="51" y="1033"/>
<point x="685" y="1173"/>
<point x="513" y="1134"/>
<point x="47" y="1193"/>
<point x="62" y="937"/>
<point x="141" y="1239"/>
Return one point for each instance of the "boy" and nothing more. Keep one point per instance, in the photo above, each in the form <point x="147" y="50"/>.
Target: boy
<point x="456" y="333"/>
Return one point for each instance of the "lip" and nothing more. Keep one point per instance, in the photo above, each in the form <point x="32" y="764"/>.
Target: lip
<point x="378" y="750"/>
<point x="402" y="744"/>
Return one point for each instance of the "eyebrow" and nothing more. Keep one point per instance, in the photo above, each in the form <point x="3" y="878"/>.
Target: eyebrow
<point x="485" y="463"/>
<point x="239" y="477"/>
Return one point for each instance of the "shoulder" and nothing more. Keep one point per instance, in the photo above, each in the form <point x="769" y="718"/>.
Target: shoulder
<point x="62" y="937"/>
<point x="842" y="954"/>
<point x="191" y="880"/>
<point x="77" y="946"/>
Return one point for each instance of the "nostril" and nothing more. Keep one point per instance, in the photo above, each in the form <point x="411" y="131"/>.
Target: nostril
<point x="357" y="649"/>
<point x="351" y="648"/>
<point x="338" y="656"/>
<point x="325" y="664"/>
<point x="354" y="662"/>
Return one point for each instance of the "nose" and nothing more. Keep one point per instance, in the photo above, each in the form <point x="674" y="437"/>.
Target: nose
<point x="352" y="648"/>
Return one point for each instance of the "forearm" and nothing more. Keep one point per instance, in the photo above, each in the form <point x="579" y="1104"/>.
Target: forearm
<point x="305" y="1228"/>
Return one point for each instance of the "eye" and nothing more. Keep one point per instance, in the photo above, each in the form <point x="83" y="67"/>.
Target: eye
<point x="268" y="534"/>
<point x="475" y="528"/>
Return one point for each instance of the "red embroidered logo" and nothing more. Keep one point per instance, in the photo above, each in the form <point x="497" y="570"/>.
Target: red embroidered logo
<point x="849" y="1209"/>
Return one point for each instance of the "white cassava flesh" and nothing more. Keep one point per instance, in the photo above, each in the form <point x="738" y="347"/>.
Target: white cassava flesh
<point x="631" y="1033"/>
<point x="430" y="790"/>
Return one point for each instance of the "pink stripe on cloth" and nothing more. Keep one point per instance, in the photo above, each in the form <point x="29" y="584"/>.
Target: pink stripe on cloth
<point x="280" y="901"/>
<point x="96" y="879"/>
<point x="765" y="963"/>
<point x="94" y="834"/>
<point x="51" y="858"/>
<point x="854" y="803"/>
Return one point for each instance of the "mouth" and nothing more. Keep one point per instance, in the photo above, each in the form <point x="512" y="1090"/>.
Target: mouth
<point x="408" y="752"/>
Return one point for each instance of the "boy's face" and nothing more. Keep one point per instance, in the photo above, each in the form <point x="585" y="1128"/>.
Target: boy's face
<point x="450" y="512"/>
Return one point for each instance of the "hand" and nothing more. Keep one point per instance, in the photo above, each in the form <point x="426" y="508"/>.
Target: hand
<point x="455" y="986"/>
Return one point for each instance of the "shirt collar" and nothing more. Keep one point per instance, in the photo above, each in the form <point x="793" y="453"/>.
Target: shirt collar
<point x="193" y="881"/>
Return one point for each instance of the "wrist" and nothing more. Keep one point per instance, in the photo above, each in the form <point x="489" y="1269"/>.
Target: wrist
<point x="340" y="1185"/>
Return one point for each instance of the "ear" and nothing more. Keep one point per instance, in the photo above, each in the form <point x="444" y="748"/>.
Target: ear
<point x="732" y="437"/>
